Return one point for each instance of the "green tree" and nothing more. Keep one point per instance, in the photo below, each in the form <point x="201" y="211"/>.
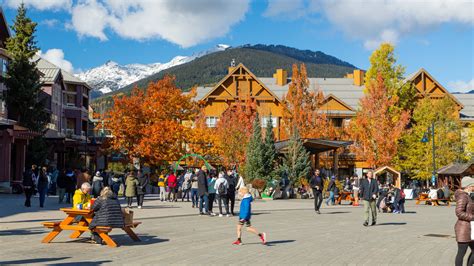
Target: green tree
<point x="255" y="153"/>
<point x="415" y="156"/>
<point x="296" y="162"/>
<point x="383" y="61"/>
<point x="22" y="78"/>
<point x="269" y="152"/>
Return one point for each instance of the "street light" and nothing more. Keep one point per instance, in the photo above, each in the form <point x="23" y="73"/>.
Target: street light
<point x="425" y="139"/>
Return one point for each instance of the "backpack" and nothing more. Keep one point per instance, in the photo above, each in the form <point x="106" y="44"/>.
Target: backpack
<point x="440" y="194"/>
<point x="221" y="189"/>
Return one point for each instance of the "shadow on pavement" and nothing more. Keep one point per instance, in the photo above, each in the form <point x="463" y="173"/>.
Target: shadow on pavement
<point x="37" y="260"/>
<point x="97" y="262"/>
<point x="340" y="212"/>
<point x="392" y="224"/>
<point x="277" y="242"/>
<point x="17" y="232"/>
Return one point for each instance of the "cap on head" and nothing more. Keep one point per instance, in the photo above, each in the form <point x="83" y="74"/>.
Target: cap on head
<point x="467" y="181"/>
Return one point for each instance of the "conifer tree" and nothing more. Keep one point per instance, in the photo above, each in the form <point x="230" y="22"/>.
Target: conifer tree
<point x="255" y="152"/>
<point x="23" y="79"/>
<point x="269" y="152"/>
<point x="296" y="162"/>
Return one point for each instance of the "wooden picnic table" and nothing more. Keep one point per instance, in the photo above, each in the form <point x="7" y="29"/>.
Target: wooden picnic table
<point x="345" y="195"/>
<point x="81" y="225"/>
<point x="424" y="197"/>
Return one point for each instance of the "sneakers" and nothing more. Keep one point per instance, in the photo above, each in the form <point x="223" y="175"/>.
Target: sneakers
<point x="212" y="214"/>
<point x="237" y="242"/>
<point x="263" y="237"/>
<point x="366" y="224"/>
<point x="373" y="223"/>
<point x="220" y="215"/>
<point x="139" y="207"/>
<point x="228" y="215"/>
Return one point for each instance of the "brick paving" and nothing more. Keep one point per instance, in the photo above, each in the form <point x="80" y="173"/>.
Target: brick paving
<point x="173" y="233"/>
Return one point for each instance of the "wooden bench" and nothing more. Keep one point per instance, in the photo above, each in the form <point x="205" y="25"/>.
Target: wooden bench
<point x="51" y="224"/>
<point x="104" y="230"/>
<point x="345" y="195"/>
<point x="434" y="202"/>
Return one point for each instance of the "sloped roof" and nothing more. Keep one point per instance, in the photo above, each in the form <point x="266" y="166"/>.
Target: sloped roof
<point x="467" y="99"/>
<point x="49" y="70"/>
<point x="457" y="169"/>
<point x="4" y="29"/>
<point x="314" y="145"/>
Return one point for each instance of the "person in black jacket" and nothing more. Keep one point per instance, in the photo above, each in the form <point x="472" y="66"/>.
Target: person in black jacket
<point x="107" y="212"/>
<point x="203" y="192"/>
<point x="316" y="184"/>
<point x="29" y="184"/>
<point x="232" y="181"/>
<point x="62" y="186"/>
<point x="331" y="188"/>
<point x="368" y="191"/>
<point x="141" y="189"/>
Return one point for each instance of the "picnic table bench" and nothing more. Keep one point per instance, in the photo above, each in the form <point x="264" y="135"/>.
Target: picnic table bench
<point x="345" y="195"/>
<point x="424" y="197"/>
<point x="79" y="226"/>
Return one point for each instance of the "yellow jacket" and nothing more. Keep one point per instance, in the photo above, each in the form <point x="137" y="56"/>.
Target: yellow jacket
<point x="162" y="181"/>
<point x="80" y="197"/>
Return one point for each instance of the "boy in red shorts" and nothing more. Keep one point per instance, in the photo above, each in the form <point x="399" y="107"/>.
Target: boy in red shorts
<point x="244" y="217"/>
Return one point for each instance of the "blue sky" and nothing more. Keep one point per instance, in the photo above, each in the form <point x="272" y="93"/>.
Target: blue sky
<point x="81" y="34"/>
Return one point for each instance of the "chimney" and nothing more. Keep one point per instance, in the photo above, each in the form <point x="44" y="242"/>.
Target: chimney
<point x="232" y="65"/>
<point x="359" y="77"/>
<point x="280" y="77"/>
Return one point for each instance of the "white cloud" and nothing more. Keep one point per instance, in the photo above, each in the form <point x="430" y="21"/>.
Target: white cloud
<point x="461" y="86"/>
<point x="183" y="22"/>
<point x="375" y="21"/>
<point x="41" y="4"/>
<point x="50" y="22"/>
<point x="286" y="8"/>
<point x="56" y="56"/>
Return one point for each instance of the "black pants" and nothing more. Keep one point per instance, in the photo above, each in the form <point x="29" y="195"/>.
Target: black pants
<point x="129" y="201"/>
<point x="185" y="194"/>
<point x="462" y="248"/>
<point x="223" y="199"/>
<point x="231" y="196"/>
<point x="212" y="197"/>
<point x="318" y="199"/>
<point x="28" y="194"/>
<point x="140" y="199"/>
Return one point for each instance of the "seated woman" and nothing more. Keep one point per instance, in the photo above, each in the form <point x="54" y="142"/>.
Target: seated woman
<point x="107" y="212"/>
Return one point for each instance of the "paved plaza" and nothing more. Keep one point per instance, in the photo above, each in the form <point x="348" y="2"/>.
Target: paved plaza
<point x="173" y="233"/>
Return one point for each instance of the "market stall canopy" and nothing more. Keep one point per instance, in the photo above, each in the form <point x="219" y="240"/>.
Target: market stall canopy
<point x="314" y="146"/>
<point x="460" y="169"/>
<point x="398" y="180"/>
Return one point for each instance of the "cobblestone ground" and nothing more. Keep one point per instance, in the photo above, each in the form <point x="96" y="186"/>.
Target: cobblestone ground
<point x="173" y="233"/>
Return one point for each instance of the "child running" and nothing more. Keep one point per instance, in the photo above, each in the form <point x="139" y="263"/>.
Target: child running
<point x="244" y="217"/>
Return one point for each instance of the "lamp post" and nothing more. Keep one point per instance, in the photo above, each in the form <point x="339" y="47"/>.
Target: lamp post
<point x="431" y="130"/>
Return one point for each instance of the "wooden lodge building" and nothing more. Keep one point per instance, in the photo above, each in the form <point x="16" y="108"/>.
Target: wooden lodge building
<point x="342" y="97"/>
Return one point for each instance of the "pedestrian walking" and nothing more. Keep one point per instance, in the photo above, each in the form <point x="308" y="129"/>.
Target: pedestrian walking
<point x="131" y="184"/>
<point x="172" y="185"/>
<point x="141" y="189"/>
<point x="54" y="181"/>
<point x="317" y="185"/>
<point x="331" y="188"/>
<point x="232" y="181"/>
<point x="29" y="185"/>
<point x="465" y="214"/>
<point x="162" y="187"/>
<point x="203" y="192"/>
<point x="244" y="217"/>
<point x="211" y="181"/>
<point x="71" y="185"/>
<point x="97" y="184"/>
<point x="194" y="189"/>
<point x="186" y="186"/>
<point x="368" y="191"/>
<point x="221" y="186"/>
<point x="115" y="182"/>
<point x="43" y="185"/>
<point x="356" y="187"/>
<point x="62" y="185"/>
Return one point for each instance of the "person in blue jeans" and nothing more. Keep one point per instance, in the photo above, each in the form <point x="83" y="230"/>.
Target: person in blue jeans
<point x="43" y="185"/>
<point x="203" y="191"/>
<point x="194" y="189"/>
<point x="331" y="188"/>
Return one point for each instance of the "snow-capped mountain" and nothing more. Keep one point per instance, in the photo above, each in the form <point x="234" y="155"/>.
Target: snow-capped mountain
<point x="111" y="76"/>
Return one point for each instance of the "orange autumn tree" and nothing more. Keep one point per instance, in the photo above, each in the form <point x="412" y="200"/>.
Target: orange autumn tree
<point x="377" y="126"/>
<point x="303" y="108"/>
<point x="150" y="125"/>
<point x="234" y="130"/>
<point x="204" y="140"/>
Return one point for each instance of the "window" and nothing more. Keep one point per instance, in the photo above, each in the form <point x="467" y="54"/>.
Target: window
<point x="337" y="122"/>
<point x="70" y="100"/>
<point x="3" y="69"/>
<point x="211" y="121"/>
<point x="265" y="121"/>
